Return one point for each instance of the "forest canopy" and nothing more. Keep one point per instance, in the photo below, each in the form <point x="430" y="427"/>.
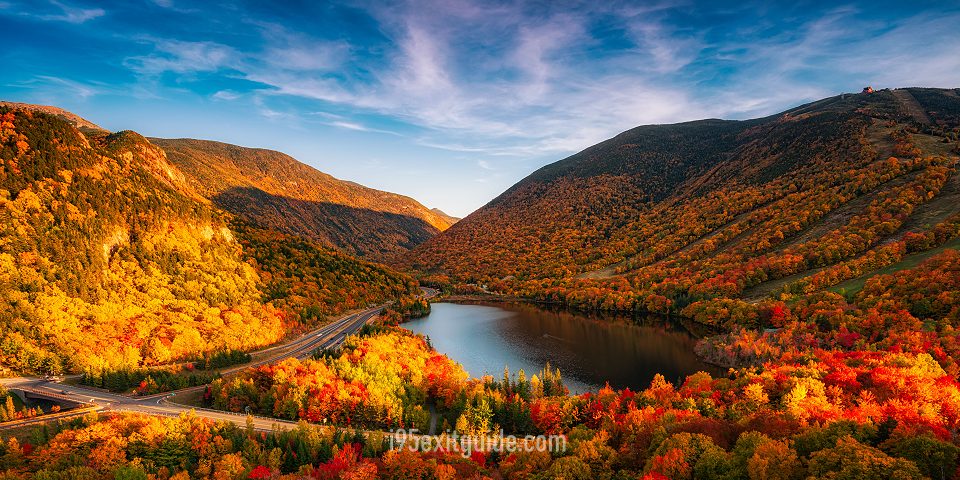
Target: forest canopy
<point x="109" y="260"/>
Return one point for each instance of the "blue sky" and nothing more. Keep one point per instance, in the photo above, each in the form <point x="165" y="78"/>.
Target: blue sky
<point x="451" y="101"/>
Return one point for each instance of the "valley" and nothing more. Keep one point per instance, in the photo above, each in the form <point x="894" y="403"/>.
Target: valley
<point x="244" y="295"/>
<point x="273" y="190"/>
<point x="749" y="221"/>
<point x="479" y="240"/>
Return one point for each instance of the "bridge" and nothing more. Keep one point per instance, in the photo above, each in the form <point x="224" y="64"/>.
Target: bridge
<point x="331" y="335"/>
<point x="86" y="399"/>
<point x="64" y="398"/>
<point x="76" y="412"/>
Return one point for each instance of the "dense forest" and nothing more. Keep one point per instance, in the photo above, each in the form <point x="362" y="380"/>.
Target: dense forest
<point x="840" y="415"/>
<point x="110" y="259"/>
<point x="821" y="244"/>
<point x="377" y="380"/>
<point x="719" y="213"/>
<point x="273" y="190"/>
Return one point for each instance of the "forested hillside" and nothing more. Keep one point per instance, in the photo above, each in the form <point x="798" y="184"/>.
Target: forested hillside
<point x="274" y="190"/>
<point x="110" y="258"/>
<point x="663" y="217"/>
<point x="863" y="416"/>
<point x="822" y="243"/>
<point x="70" y="117"/>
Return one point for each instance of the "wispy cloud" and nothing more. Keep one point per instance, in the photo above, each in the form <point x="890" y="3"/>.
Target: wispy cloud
<point x="530" y="80"/>
<point x="72" y="14"/>
<point x="184" y="57"/>
<point x="270" y="113"/>
<point x="358" y="127"/>
<point x="838" y="47"/>
<point x="527" y="96"/>
<point x="228" y="95"/>
<point x="51" y="11"/>
<point x="64" y="88"/>
<point x="298" y="51"/>
<point x="349" y="126"/>
<point x="539" y="98"/>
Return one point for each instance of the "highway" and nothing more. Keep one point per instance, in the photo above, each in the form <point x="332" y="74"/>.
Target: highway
<point x="120" y="403"/>
<point x="329" y="336"/>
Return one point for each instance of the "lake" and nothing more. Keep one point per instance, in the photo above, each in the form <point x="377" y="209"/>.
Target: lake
<point x="589" y="351"/>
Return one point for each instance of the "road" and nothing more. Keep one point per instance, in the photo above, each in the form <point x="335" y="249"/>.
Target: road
<point x="329" y="336"/>
<point x="120" y="403"/>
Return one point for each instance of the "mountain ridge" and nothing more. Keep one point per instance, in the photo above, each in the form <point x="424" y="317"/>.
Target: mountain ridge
<point x="263" y="186"/>
<point x="450" y="218"/>
<point x="241" y="179"/>
<point x="714" y="207"/>
<point x="74" y="119"/>
<point x="110" y="261"/>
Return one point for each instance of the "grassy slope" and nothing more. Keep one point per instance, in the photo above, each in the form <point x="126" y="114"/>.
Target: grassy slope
<point x="854" y="285"/>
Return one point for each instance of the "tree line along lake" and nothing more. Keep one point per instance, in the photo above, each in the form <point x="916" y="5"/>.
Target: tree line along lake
<point x="589" y="350"/>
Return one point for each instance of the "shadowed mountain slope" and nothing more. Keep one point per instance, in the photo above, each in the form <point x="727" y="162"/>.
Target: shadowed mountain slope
<point x="274" y="190"/>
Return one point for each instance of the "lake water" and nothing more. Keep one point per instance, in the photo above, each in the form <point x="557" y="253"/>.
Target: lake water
<point x="485" y="337"/>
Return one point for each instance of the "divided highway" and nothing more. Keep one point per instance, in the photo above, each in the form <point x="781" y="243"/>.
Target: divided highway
<point x="329" y="336"/>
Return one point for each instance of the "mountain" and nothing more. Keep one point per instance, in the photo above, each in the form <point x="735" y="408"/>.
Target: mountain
<point x="661" y="216"/>
<point x="450" y="219"/>
<point x="111" y="259"/>
<point x="72" y="118"/>
<point x="274" y="190"/>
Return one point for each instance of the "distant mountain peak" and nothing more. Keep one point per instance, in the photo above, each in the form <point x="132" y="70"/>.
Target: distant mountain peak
<point x="451" y="219"/>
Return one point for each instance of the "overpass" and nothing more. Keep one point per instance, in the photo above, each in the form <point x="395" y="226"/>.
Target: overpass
<point x="329" y="336"/>
<point x="60" y="398"/>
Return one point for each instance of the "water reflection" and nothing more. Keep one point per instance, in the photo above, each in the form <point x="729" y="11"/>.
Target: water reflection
<point x="589" y="351"/>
